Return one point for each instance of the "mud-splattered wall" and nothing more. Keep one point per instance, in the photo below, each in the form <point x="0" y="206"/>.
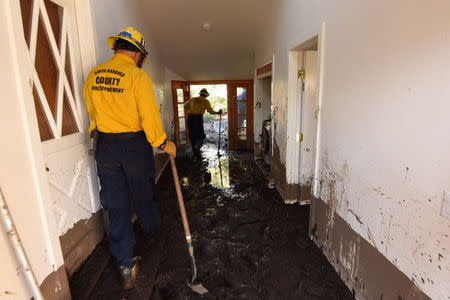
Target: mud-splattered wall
<point x="262" y="106"/>
<point x="383" y="157"/>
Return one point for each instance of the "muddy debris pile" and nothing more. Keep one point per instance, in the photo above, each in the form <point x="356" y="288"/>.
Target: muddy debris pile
<point x="248" y="244"/>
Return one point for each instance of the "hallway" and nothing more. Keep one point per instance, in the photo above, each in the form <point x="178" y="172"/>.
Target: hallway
<point x="343" y="105"/>
<point x="248" y="244"/>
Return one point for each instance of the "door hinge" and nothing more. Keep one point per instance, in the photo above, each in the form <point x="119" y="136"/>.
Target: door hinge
<point x="300" y="137"/>
<point x="301" y="74"/>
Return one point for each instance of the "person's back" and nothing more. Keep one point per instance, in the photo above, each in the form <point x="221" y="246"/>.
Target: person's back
<point x="119" y="97"/>
<point x="195" y="108"/>
<point x="120" y="100"/>
<point x="198" y="106"/>
<point x="112" y="93"/>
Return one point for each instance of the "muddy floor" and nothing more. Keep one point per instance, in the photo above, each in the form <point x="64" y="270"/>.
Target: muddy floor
<point x="248" y="243"/>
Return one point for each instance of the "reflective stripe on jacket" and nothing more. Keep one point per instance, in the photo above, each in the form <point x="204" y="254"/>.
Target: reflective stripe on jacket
<point x="119" y="97"/>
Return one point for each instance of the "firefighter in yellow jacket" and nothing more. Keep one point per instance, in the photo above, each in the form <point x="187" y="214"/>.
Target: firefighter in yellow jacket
<point x="121" y="102"/>
<point x="195" y="108"/>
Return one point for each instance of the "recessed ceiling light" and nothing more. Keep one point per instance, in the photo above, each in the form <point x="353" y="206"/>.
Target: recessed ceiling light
<point x="206" y="27"/>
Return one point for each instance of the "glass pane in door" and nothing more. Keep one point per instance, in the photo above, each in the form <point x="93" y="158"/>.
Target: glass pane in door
<point x="183" y="138"/>
<point x="241" y="107"/>
<point x="182" y="124"/>
<point x="242" y="134"/>
<point x="180" y="97"/>
<point x="180" y="110"/>
<point x="242" y="121"/>
<point x="241" y="93"/>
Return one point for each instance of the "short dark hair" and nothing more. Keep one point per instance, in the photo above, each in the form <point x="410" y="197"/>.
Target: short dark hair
<point x="125" y="45"/>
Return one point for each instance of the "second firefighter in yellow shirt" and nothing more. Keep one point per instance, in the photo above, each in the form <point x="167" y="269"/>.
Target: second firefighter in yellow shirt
<point x="195" y="108"/>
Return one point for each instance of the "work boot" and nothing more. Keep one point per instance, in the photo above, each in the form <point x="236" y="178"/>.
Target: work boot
<point x="129" y="274"/>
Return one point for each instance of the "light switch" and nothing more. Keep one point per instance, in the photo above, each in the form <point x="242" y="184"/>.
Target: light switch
<point x="445" y="211"/>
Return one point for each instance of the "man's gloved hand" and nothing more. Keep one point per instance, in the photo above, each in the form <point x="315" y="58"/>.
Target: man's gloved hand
<point x="170" y="148"/>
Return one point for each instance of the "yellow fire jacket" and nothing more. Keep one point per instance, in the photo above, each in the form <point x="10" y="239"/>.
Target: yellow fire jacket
<point x="198" y="105"/>
<point x="119" y="97"/>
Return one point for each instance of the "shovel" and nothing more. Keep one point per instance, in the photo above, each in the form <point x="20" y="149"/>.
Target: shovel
<point x="220" y="131"/>
<point x="196" y="287"/>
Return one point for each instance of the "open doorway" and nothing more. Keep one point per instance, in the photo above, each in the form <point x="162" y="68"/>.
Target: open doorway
<point x="234" y="97"/>
<point x="218" y="98"/>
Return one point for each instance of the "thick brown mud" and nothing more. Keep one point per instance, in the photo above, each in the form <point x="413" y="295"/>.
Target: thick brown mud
<point x="248" y="244"/>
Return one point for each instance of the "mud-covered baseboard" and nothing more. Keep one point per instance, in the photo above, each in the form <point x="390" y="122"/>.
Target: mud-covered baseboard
<point x="367" y="272"/>
<point x="289" y="192"/>
<point x="257" y="151"/>
<point x="79" y="241"/>
<point x="56" y="286"/>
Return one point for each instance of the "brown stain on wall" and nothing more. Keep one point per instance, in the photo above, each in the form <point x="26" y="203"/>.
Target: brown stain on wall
<point x="367" y="272"/>
<point x="56" y="286"/>
<point x="278" y="173"/>
<point x="79" y="241"/>
<point x="257" y="151"/>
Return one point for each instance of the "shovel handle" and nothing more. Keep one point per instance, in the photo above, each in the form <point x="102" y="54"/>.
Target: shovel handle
<point x="176" y="181"/>
<point x="220" y="131"/>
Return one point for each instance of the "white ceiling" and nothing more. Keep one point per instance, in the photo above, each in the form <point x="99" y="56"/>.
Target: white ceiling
<point x="224" y="52"/>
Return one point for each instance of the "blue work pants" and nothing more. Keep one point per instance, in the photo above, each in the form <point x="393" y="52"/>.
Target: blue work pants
<point x="126" y="170"/>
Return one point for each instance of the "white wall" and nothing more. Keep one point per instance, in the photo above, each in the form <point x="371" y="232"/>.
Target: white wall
<point x="385" y="136"/>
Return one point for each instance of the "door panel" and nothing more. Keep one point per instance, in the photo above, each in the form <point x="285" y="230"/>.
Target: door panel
<point x="180" y="94"/>
<point x="309" y="109"/>
<point x="52" y="40"/>
<point x="240" y="107"/>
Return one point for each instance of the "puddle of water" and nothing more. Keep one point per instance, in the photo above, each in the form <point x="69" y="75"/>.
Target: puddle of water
<point x="184" y="181"/>
<point x="220" y="172"/>
<point x="218" y="166"/>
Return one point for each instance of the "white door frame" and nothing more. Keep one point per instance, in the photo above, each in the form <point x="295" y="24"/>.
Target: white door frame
<point x="293" y="149"/>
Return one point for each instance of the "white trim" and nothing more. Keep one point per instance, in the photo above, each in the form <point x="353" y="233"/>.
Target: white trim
<point x="34" y="30"/>
<point x="264" y="75"/>
<point x="65" y="142"/>
<point x="294" y="126"/>
<point x="73" y="67"/>
<point x="321" y="54"/>
<point x="272" y="98"/>
<point x="87" y="58"/>
<point x="44" y="103"/>
<point x="50" y="36"/>
<point x="60" y="87"/>
<point x="293" y="116"/>
<point x="85" y="31"/>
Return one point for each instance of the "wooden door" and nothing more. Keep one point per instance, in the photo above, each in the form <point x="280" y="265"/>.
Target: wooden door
<point x="240" y="114"/>
<point x="180" y="94"/>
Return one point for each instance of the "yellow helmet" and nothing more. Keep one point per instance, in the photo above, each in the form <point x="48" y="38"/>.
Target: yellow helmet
<point x="132" y="36"/>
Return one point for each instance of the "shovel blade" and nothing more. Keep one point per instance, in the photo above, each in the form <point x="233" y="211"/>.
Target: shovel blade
<point x="198" y="288"/>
